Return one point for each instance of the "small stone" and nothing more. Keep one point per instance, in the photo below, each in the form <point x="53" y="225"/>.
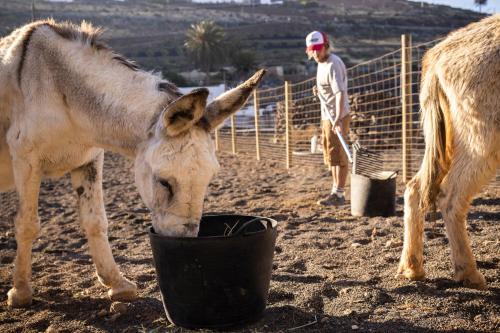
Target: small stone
<point x="51" y="329"/>
<point x="9" y="234"/>
<point x="102" y="313"/>
<point x="349" y="312"/>
<point x="344" y="291"/>
<point x="114" y="317"/>
<point x="354" y="327"/>
<point x="355" y="245"/>
<point x="393" y="243"/>
<point x="479" y="318"/>
<point x="118" y="307"/>
<point x="324" y="319"/>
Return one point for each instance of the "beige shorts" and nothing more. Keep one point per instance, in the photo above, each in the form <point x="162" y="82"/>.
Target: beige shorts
<point x="333" y="153"/>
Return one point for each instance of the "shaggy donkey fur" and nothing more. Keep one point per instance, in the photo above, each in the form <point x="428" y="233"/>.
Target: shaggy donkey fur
<point x="460" y="103"/>
<point x="64" y="98"/>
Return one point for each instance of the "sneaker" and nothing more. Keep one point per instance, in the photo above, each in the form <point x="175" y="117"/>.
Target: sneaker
<point x="331" y="200"/>
<point x="340" y="200"/>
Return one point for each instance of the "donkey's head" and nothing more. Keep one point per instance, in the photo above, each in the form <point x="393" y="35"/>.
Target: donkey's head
<point x="175" y="166"/>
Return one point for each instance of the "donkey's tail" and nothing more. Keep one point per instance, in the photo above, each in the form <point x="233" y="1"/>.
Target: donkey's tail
<point x="437" y="133"/>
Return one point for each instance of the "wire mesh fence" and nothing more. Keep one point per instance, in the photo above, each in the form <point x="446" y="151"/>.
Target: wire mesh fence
<point x="284" y="123"/>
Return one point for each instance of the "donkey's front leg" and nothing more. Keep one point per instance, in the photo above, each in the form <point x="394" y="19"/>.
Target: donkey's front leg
<point x="27" y="226"/>
<point x="87" y="181"/>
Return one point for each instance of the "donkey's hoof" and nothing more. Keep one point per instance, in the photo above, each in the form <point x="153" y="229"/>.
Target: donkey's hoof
<point x="474" y="280"/>
<point x="124" y="292"/>
<point x="19" y="297"/>
<point x="410" y="273"/>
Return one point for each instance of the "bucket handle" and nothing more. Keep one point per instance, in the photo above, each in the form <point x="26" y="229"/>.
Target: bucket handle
<point x="244" y="226"/>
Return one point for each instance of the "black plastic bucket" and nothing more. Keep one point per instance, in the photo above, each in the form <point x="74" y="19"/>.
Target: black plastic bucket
<point x="375" y="195"/>
<point x="219" y="279"/>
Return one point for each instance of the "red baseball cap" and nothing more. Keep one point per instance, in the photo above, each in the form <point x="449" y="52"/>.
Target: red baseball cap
<point x="315" y="41"/>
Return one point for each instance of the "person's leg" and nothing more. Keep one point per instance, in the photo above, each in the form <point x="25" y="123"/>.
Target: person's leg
<point x="335" y="179"/>
<point x="328" y="154"/>
<point x="342" y="169"/>
<point x="342" y="175"/>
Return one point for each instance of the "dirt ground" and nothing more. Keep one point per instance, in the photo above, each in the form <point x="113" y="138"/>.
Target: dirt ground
<point x="332" y="272"/>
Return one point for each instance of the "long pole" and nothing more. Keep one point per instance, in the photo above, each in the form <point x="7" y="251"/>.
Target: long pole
<point x="233" y="135"/>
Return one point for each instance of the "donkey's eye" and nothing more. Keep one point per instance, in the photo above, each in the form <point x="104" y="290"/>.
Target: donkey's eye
<point x="167" y="186"/>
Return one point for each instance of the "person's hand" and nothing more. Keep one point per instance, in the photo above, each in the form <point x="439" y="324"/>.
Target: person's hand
<point x="337" y="126"/>
<point x="315" y="91"/>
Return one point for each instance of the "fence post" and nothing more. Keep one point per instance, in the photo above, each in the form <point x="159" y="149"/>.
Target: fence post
<point x="256" y="110"/>
<point x="406" y="104"/>
<point x="233" y="135"/>
<point x="217" y="139"/>
<point x="288" y="146"/>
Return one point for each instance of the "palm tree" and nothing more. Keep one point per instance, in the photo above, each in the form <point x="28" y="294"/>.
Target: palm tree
<point x="480" y="3"/>
<point x="204" y="44"/>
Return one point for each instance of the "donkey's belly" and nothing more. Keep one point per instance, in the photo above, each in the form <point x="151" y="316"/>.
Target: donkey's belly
<point x="63" y="161"/>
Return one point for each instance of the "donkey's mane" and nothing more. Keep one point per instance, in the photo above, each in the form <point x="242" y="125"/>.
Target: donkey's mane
<point x="88" y="35"/>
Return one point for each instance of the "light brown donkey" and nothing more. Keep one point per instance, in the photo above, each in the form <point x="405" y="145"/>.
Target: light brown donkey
<point x="460" y="101"/>
<point x="64" y="98"/>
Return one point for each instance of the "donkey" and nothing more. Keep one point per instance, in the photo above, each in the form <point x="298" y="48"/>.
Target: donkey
<point x="65" y="98"/>
<point x="460" y="104"/>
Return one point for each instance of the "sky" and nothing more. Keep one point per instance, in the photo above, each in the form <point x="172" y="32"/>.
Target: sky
<point x="492" y="6"/>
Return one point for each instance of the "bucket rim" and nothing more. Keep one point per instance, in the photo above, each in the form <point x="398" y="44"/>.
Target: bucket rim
<point x="274" y="226"/>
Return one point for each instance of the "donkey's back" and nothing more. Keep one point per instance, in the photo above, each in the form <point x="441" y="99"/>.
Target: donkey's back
<point x="34" y="111"/>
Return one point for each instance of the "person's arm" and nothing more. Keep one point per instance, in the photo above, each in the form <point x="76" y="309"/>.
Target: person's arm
<point x="339" y="106"/>
<point x="339" y="88"/>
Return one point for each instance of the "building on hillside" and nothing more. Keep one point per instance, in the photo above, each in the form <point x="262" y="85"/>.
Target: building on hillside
<point x="242" y="2"/>
<point x="276" y="70"/>
<point x="194" y="76"/>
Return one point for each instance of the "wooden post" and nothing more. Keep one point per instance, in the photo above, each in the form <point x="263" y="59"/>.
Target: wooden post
<point x="287" y="125"/>
<point x="256" y="110"/>
<point x="217" y="148"/>
<point x="406" y="104"/>
<point x="233" y="135"/>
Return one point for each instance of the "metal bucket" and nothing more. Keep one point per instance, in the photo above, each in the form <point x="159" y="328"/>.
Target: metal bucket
<point x="374" y="195"/>
<point x="219" y="279"/>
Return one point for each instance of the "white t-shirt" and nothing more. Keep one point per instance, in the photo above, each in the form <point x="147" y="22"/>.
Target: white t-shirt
<point x="331" y="78"/>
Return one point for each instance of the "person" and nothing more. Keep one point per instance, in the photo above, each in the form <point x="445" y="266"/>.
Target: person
<point x="331" y="88"/>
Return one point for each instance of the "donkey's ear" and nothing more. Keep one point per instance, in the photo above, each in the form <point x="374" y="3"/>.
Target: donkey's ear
<point x="231" y="101"/>
<point x="184" y="112"/>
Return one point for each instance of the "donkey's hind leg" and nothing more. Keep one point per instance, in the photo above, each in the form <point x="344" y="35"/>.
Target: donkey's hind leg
<point x="87" y="181"/>
<point x="464" y="179"/>
<point x="411" y="263"/>
<point x="27" y="223"/>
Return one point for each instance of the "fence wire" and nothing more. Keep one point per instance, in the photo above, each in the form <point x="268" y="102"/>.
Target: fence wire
<point x="376" y="100"/>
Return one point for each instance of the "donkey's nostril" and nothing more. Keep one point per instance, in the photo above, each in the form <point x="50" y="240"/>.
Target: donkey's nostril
<point x="191" y="227"/>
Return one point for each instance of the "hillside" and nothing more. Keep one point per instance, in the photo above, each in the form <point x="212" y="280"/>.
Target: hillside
<point x="152" y="32"/>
